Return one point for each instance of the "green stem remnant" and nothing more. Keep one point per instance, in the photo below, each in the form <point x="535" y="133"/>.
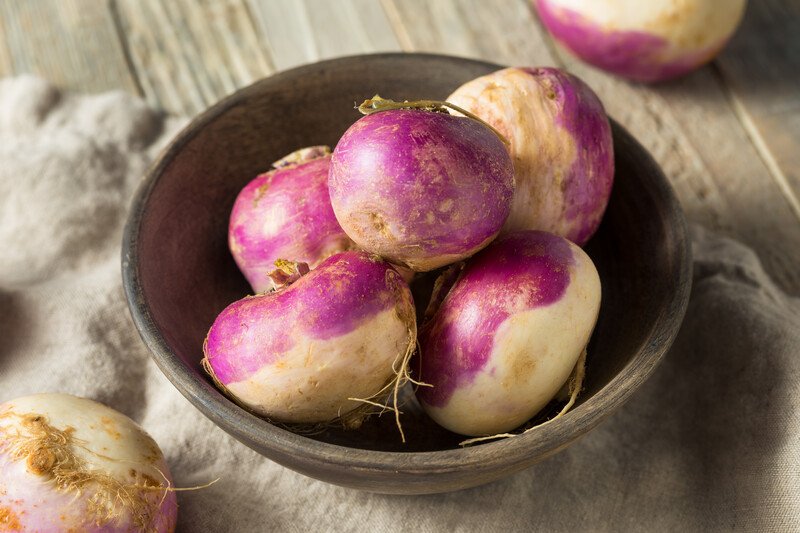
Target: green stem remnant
<point x="287" y="272"/>
<point x="303" y="155"/>
<point x="377" y="104"/>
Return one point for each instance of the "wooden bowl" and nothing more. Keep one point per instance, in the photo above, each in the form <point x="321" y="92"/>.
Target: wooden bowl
<point x="179" y="275"/>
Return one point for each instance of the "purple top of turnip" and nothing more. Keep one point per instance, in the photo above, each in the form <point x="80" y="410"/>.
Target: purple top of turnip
<point x="285" y="214"/>
<point x="560" y="141"/>
<point x="512" y="328"/>
<point x="332" y="345"/>
<point x="332" y="300"/>
<point x="518" y="272"/>
<point x="646" y="41"/>
<point x="420" y="188"/>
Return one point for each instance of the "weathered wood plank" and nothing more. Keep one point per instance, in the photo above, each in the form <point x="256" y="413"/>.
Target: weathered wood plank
<point x="189" y="53"/>
<point x="461" y="28"/>
<point x="761" y="65"/>
<point x="688" y="126"/>
<point x="73" y="43"/>
<point x="755" y="208"/>
<point x="304" y="31"/>
<point x="363" y="20"/>
<point x="6" y="67"/>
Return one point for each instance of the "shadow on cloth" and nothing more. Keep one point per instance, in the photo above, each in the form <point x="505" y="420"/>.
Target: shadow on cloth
<point x="15" y="325"/>
<point x="119" y="351"/>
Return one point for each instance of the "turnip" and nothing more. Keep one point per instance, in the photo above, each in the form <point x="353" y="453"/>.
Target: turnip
<point x="285" y="214"/>
<point x="508" y="333"/>
<point x="333" y="340"/>
<point x="647" y="41"/>
<point x="560" y="141"/>
<point x="419" y="186"/>
<point x="71" y="464"/>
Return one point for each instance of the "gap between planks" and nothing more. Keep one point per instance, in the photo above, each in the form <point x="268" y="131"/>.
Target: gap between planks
<point x="760" y="144"/>
<point x="761" y="68"/>
<point x="187" y="54"/>
<point x="72" y="43"/>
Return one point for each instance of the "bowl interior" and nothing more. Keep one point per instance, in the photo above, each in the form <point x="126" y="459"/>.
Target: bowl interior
<point x="180" y="275"/>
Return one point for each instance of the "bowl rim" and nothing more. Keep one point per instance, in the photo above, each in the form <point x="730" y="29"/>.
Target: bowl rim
<point x="258" y="433"/>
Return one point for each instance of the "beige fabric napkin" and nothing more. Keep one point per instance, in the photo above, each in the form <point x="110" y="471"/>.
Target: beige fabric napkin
<point x="711" y="442"/>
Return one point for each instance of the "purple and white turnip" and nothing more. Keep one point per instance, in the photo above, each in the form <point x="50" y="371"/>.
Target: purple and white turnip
<point x="508" y="333"/>
<point x="415" y="185"/>
<point x="71" y="464"/>
<point x="560" y="140"/>
<point x="314" y="351"/>
<point x="420" y="187"/>
<point x="648" y="41"/>
<point x="286" y="214"/>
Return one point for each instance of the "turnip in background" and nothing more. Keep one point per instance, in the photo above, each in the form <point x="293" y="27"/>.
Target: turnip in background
<point x="71" y="464"/>
<point x="285" y="214"/>
<point x="310" y="352"/>
<point x="560" y="140"/>
<point x="648" y="41"/>
<point x="420" y="187"/>
<point x="508" y="334"/>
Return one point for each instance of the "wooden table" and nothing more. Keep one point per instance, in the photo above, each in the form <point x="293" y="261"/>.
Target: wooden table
<point x="728" y="136"/>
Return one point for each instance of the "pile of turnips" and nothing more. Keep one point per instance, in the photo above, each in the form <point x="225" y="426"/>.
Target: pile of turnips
<point x="71" y="464"/>
<point x="494" y="191"/>
<point x="646" y="41"/>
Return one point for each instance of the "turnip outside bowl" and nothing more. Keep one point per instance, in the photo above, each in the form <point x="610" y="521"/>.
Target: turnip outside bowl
<point x="178" y="274"/>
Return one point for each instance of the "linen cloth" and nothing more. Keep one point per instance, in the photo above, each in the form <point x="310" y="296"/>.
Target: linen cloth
<point x="710" y="443"/>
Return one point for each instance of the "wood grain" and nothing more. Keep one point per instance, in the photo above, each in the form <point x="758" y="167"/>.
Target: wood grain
<point x="761" y="66"/>
<point x="6" y="65"/>
<point x="188" y="54"/>
<point x="726" y="135"/>
<point x="303" y="31"/>
<point x="750" y="204"/>
<point x="688" y="126"/>
<point x="473" y="28"/>
<point x="73" y="43"/>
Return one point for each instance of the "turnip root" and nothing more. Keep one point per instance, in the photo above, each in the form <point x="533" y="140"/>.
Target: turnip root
<point x="71" y="464"/>
<point x="419" y="186"/>
<point x="647" y="41"/>
<point x="560" y="141"/>
<point x="336" y="339"/>
<point x="285" y="213"/>
<point x="508" y="333"/>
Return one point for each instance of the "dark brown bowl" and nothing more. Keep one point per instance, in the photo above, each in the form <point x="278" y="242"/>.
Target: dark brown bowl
<point x="178" y="274"/>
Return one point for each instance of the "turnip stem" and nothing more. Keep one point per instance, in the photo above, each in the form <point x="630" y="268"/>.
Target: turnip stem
<point x="377" y="104"/>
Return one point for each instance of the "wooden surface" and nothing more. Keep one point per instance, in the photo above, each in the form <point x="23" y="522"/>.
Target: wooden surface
<point x="179" y="274"/>
<point x="727" y="136"/>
